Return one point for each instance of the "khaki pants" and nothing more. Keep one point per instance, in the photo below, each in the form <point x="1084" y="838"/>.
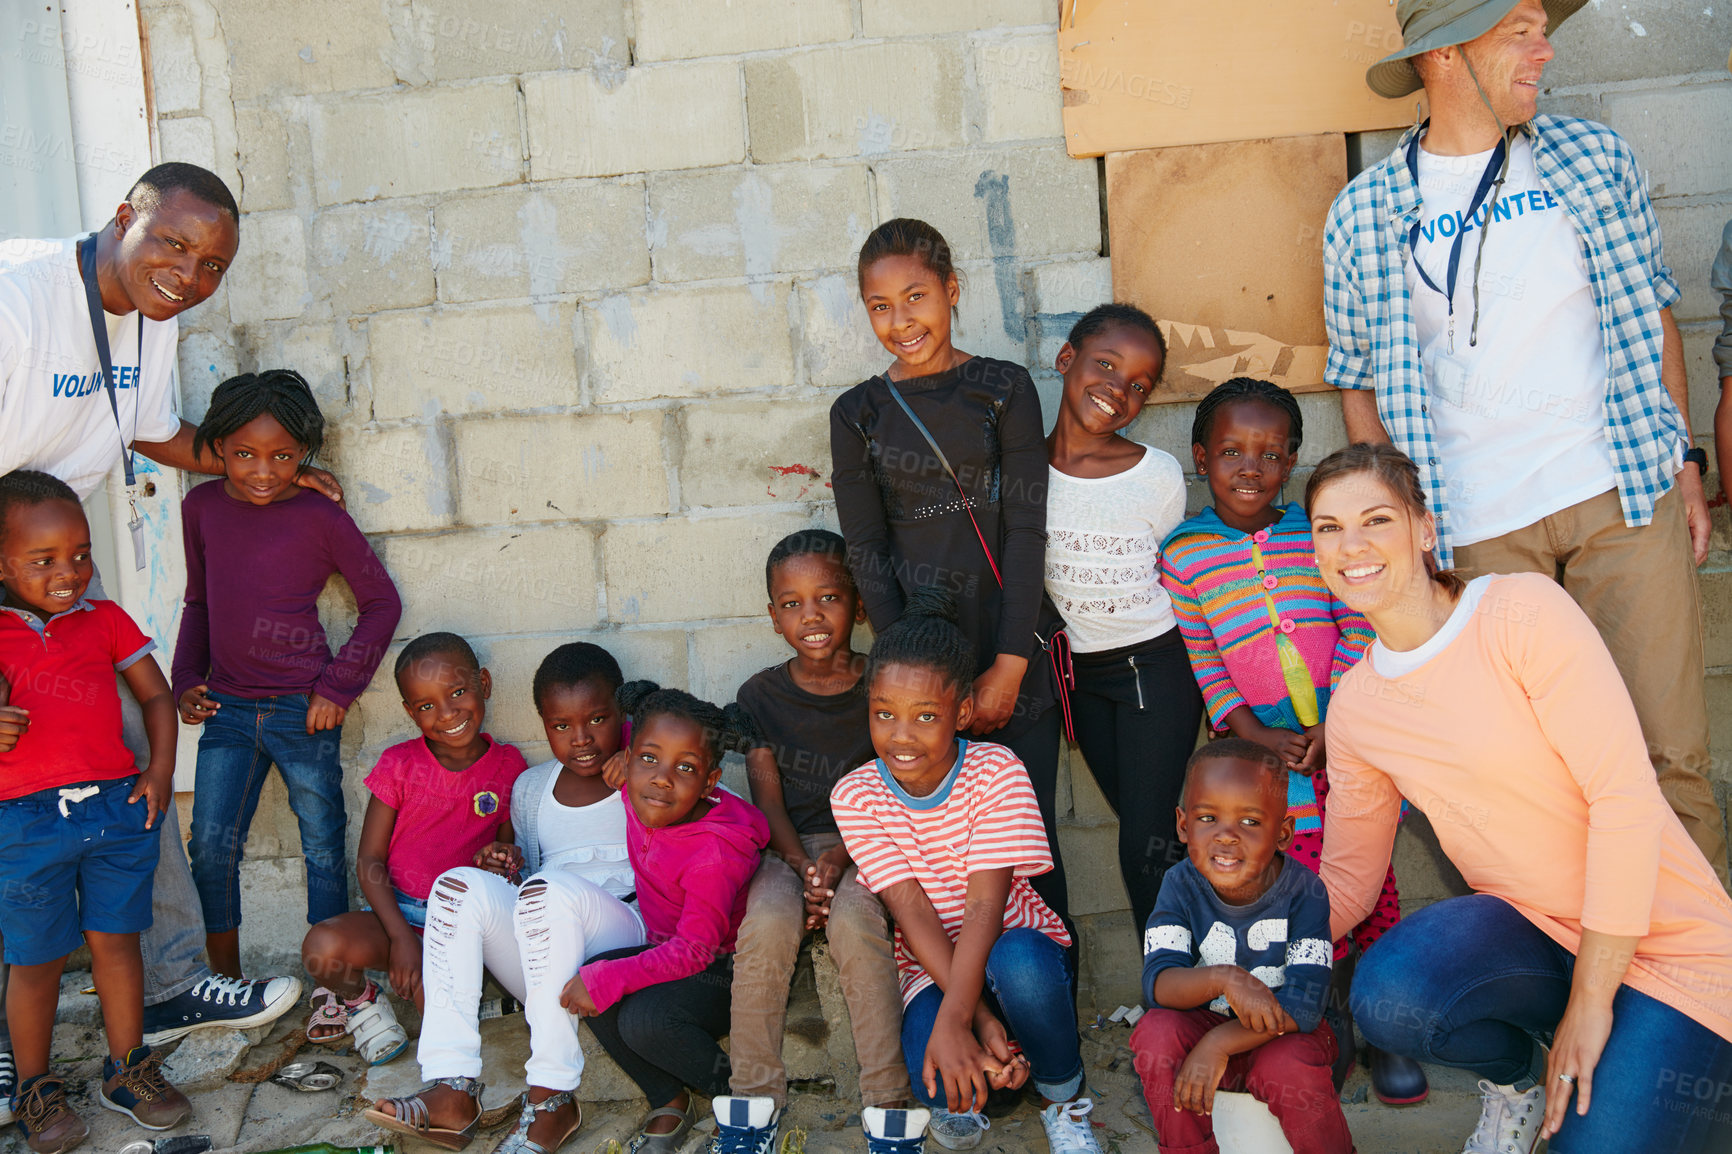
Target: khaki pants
<point x="769" y="944"/>
<point x="1638" y="587"/>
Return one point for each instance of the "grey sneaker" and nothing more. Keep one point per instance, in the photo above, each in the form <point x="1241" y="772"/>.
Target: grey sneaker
<point x="957" y="1131"/>
<point x="1509" y="1122"/>
<point x="1068" y="1130"/>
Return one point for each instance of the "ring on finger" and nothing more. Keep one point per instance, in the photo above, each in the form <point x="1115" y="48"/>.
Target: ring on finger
<point x="1570" y="1078"/>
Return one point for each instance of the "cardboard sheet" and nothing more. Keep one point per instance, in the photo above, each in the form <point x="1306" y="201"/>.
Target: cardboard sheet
<point x="1155" y="73"/>
<point x="1223" y="243"/>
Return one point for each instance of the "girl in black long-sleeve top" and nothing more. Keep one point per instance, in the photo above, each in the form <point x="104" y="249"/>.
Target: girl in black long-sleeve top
<point x="905" y="522"/>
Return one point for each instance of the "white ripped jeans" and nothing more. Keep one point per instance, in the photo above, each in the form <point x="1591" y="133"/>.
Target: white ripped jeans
<point x="532" y="940"/>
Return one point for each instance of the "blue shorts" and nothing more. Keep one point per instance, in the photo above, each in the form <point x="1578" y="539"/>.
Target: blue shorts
<point x="414" y="910"/>
<point x="87" y="864"/>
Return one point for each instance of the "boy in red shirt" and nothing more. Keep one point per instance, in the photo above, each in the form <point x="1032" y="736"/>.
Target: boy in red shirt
<point x="77" y="851"/>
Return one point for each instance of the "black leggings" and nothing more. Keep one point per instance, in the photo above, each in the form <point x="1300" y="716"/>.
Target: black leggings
<point x="1136" y="712"/>
<point x="1037" y="748"/>
<point x="679" y="1022"/>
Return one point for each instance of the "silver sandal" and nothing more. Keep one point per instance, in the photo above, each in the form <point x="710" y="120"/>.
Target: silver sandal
<point x="670" y="1142"/>
<point x="410" y="1115"/>
<point x="519" y="1141"/>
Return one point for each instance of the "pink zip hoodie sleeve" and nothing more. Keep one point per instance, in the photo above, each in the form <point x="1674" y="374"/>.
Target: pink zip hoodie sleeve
<point x="691" y="882"/>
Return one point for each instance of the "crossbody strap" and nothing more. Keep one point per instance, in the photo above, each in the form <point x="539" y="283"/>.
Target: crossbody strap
<point x="932" y="443"/>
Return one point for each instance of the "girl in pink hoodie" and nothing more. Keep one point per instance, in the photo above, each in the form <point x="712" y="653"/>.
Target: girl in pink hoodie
<point x="660" y="1009"/>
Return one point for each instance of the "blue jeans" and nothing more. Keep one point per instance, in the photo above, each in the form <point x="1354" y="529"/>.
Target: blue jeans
<point x="1469" y="982"/>
<point x="1028" y="987"/>
<point x="240" y="743"/>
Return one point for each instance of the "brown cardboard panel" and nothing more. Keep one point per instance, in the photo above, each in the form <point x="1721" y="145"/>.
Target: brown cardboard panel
<point x="1156" y="73"/>
<point x="1223" y="243"/>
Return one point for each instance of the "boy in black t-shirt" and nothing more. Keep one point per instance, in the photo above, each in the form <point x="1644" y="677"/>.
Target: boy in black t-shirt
<point x="811" y="711"/>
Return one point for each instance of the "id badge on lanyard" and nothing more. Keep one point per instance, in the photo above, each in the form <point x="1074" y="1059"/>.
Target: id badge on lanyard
<point x="99" y="330"/>
<point x="1489" y="180"/>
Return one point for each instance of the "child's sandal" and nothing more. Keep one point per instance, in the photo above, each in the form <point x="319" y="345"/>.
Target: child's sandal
<point x="368" y="1019"/>
<point x="519" y="1141"/>
<point x="409" y="1116"/>
<point x="669" y="1143"/>
<point x="330" y="1012"/>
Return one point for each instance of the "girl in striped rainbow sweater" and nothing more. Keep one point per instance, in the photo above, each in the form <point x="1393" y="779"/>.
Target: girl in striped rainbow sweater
<point x="1266" y="638"/>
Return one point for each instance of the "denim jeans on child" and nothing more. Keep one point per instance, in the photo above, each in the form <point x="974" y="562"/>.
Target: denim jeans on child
<point x="1028" y="987"/>
<point x="1469" y="982"/>
<point x="240" y="743"/>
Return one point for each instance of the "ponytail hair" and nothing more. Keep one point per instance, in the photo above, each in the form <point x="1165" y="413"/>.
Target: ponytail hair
<point x="905" y="236"/>
<point x="926" y="636"/>
<point x="1396" y="472"/>
<point x="725" y="728"/>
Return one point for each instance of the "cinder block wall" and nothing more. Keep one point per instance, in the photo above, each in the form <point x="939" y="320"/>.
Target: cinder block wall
<point x="575" y="291"/>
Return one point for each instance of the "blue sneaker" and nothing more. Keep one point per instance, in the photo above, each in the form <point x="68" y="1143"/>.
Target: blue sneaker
<point x="895" y="1131"/>
<point x="745" y="1125"/>
<point x="238" y="1003"/>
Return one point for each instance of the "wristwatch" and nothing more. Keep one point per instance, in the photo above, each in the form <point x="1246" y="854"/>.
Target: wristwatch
<point x="1699" y="458"/>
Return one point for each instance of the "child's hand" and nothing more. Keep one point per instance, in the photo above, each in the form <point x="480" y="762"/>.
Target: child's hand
<point x="405" y="966"/>
<point x="500" y="858"/>
<point x="1194" y="1087"/>
<point x="1289" y="746"/>
<point x="323" y="713"/>
<point x="14" y="720"/>
<point x="957" y="1067"/>
<point x="196" y="705"/>
<point x="995" y="694"/>
<point x="614" y="771"/>
<point x="821" y="875"/>
<point x="1255" y="1004"/>
<point x="156" y="786"/>
<point x="1317" y="755"/>
<point x="576" y="1000"/>
<point x="1012" y="1068"/>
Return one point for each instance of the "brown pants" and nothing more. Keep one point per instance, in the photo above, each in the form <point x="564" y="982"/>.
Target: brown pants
<point x="768" y="945"/>
<point x="1638" y="587"/>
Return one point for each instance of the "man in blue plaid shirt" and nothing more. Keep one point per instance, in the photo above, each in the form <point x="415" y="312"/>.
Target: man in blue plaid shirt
<point x="1498" y="307"/>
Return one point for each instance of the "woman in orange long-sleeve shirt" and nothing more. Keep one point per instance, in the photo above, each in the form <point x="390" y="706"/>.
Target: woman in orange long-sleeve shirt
<point x="1494" y="707"/>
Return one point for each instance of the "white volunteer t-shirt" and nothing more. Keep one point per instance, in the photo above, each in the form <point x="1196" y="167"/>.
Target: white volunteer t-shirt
<point x="54" y="413"/>
<point x="1520" y="418"/>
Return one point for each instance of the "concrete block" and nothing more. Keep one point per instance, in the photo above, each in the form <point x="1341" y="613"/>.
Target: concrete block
<point x="1717" y="615"/>
<point x="1682" y="136"/>
<point x="855" y="101"/>
<point x="724" y="656"/>
<point x="560" y="468"/>
<point x="529" y="579"/>
<point x="1423" y="872"/>
<point x="542" y="240"/>
<point x="844" y="1062"/>
<point x="1692" y="238"/>
<point x="1091" y="867"/>
<point x="316" y="46"/>
<point x="992" y="318"/>
<point x="1633" y="41"/>
<point x="372" y="257"/>
<point x="1058" y="295"/>
<point x="676" y="29"/>
<point x="1719" y="688"/>
<point x="317" y="351"/>
<point x="1704" y="377"/>
<point x="271" y="282"/>
<point x="1112" y="961"/>
<point x="263" y="137"/>
<point x="274" y="906"/>
<point x="469" y="360"/>
<point x="666" y="116"/>
<point x="176" y="82"/>
<point x="735" y="456"/>
<point x="659" y="570"/>
<point x="689" y="342"/>
<point x="659" y="655"/>
<point x="206" y="361"/>
<point x="187" y="138"/>
<point x="463" y="39"/>
<point x="1088" y="805"/>
<point x="206" y="1058"/>
<point x="837" y="345"/>
<point x="396" y="479"/>
<point x="917" y="18"/>
<point x="762" y="220"/>
<point x="412" y="142"/>
<point x="999" y="204"/>
<point x="1016" y="93"/>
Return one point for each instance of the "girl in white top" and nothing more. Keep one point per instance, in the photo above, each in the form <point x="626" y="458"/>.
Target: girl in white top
<point x="1110" y="503"/>
<point x="568" y="839"/>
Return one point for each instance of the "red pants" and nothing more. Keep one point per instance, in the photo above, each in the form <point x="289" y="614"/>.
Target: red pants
<point x="1290" y="1075"/>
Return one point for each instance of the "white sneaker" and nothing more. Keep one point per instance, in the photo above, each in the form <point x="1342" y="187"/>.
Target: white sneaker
<point x="745" y="1125"/>
<point x="8" y="1086"/>
<point x="895" y="1131"/>
<point x="1068" y="1130"/>
<point x="1509" y="1122"/>
<point x="957" y="1131"/>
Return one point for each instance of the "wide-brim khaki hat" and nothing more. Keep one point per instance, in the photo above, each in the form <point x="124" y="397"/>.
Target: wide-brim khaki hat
<point x="1429" y="24"/>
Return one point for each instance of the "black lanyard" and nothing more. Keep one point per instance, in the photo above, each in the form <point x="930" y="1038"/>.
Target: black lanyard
<point x="99" y="330"/>
<point x="1492" y="177"/>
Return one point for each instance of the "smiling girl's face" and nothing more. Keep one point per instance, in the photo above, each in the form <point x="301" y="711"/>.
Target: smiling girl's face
<point x="915" y="714"/>
<point x="1108" y="378"/>
<point x="671" y="770"/>
<point x="261" y="461"/>
<point x="909" y="305"/>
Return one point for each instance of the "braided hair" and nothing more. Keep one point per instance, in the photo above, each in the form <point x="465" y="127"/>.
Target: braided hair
<point x="572" y="664"/>
<point x="1103" y="317"/>
<point x="926" y="636"/>
<point x="1248" y="389"/>
<point x="806" y="543"/>
<point x="725" y="727"/>
<point x="283" y="393"/>
<point x="27" y="488"/>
